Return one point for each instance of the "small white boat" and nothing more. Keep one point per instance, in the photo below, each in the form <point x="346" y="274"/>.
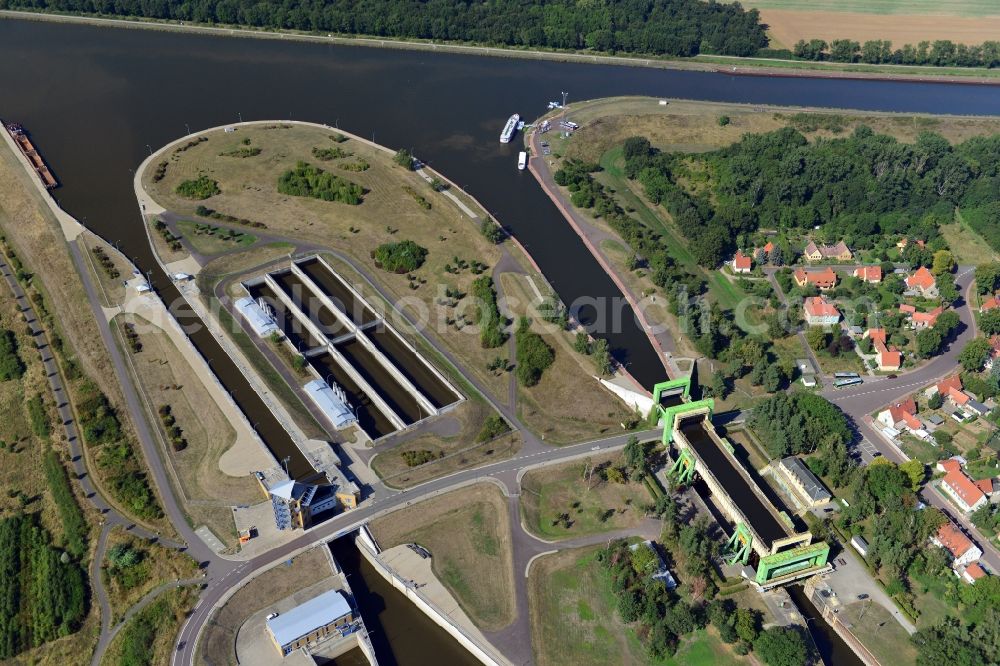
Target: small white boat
<point x="522" y="160"/>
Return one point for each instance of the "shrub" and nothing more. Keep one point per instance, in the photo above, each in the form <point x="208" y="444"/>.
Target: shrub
<point x="38" y="416"/>
<point x="493" y="427"/>
<point x="327" y="154"/>
<point x="403" y="158"/>
<point x="73" y="523"/>
<point x="487" y="313"/>
<point x="402" y="257"/>
<point x="534" y="355"/>
<point x="201" y="187"/>
<point x="492" y="231"/>
<point x="306" y="180"/>
<point x="241" y="152"/>
<point x="417" y="458"/>
<point x="11" y="365"/>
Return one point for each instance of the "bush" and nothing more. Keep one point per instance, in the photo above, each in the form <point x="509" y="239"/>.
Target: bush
<point x="11" y="365"/>
<point x="305" y="180"/>
<point x="723" y="121"/>
<point x="492" y="231"/>
<point x="493" y="427"/>
<point x="73" y="523"/>
<point x="417" y="458"/>
<point x="487" y="313"/>
<point x="327" y="154"/>
<point x="403" y="158"/>
<point x="403" y="257"/>
<point x="39" y="417"/>
<point x="534" y="355"/>
<point x="201" y="187"/>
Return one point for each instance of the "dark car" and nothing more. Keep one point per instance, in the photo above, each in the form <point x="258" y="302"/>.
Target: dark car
<point x="862" y="596"/>
<point x="890" y="376"/>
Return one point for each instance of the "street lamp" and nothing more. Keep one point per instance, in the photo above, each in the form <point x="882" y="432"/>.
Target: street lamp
<point x="240" y="115"/>
<point x="150" y="149"/>
<point x="187" y="127"/>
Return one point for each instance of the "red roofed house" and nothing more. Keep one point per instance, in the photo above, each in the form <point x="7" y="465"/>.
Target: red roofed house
<point x="923" y="281"/>
<point x="985" y="485"/>
<point x="741" y="263"/>
<point x="962" y="490"/>
<point x="889" y="359"/>
<point x="994" y="351"/>
<point x="972" y="573"/>
<point x="904" y="242"/>
<point x="870" y="274"/>
<point x="962" y="550"/>
<point x="820" y="313"/>
<point x="926" y="319"/>
<point x="823" y="280"/>
<point x="840" y="252"/>
<point x="991" y="303"/>
<point x="951" y="389"/>
<point x="902" y="416"/>
<point x="769" y="247"/>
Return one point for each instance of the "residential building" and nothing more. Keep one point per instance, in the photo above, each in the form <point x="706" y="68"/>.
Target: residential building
<point x="903" y="242"/>
<point x="320" y="618"/>
<point x="769" y="247"/>
<point x="901" y="416"/>
<point x="741" y="263"/>
<point x="951" y="390"/>
<point x="818" y="312"/>
<point x="920" y="320"/>
<point x="838" y="252"/>
<point x="961" y="548"/>
<point x="823" y="280"/>
<point x="803" y="482"/>
<point x="994" y="351"/>
<point x="889" y="358"/>
<point x="959" y="487"/>
<point x="972" y="573"/>
<point x="991" y="303"/>
<point x="922" y="281"/>
<point x="870" y="274"/>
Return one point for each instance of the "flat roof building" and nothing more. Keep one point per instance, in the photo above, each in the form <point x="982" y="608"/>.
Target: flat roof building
<point x="316" y="620"/>
<point x="259" y="320"/>
<point x="803" y="481"/>
<point x="332" y="402"/>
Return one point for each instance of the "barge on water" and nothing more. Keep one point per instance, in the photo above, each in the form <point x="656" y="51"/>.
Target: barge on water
<point x="509" y="128"/>
<point x="20" y="137"/>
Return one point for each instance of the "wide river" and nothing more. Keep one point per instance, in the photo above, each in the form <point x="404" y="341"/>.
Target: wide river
<point x="98" y="99"/>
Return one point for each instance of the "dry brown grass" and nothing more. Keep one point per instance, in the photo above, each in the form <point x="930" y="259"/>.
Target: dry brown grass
<point x="456" y="452"/>
<point x="568" y="404"/>
<point x="468" y="534"/>
<point x="788" y="26"/>
<point x="158" y="565"/>
<point x="217" y="644"/>
<point x="207" y="492"/>
<point x="176" y="604"/>
<point x="600" y="506"/>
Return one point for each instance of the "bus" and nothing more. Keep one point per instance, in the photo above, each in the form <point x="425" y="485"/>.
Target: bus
<point x="847" y="381"/>
<point x="845" y="375"/>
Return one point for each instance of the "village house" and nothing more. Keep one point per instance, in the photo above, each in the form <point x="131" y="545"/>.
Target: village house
<point x="959" y="487"/>
<point x="991" y="303"/>
<point x="921" y="320"/>
<point x="903" y="242"/>
<point x="838" y="252"/>
<point x="971" y="573"/>
<point x="823" y="280"/>
<point x="901" y="416"/>
<point x="922" y="281"/>
<point x="889" y="359"/>
<point x="741" y="263"/>
<point x="818" y="312"/>
<point x="869" y="274"/>
<point x="994" y="351"/>
<point x="960" y="547"/>
<point x="951" y="389"/>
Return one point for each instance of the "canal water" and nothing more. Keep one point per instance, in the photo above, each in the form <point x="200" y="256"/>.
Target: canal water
<point x="835" y="652"/>
<point x="401" y="634"/>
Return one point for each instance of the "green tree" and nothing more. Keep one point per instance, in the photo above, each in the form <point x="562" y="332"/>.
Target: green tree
<point x="817" y="338"/>
<point x="944" y="262"/>
<point x="914" y="469"/>
<point x="988" y="278"/>
<point x="773" y="378"/>
<point x="747" y="624"/>
<point x="403" y="158"/>
<point x="782" y="646"/>
<point x="989" y="322"/>
<point x="929" y="342"/>
<point x="973" y="357"/>
<point x="601" y="353"/>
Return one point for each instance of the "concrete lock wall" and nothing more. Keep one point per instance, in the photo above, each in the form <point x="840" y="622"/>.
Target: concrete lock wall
<point x="479" y="652"/>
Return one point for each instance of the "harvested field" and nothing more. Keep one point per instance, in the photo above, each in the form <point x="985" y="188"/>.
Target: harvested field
<point x="787" y="26"/>
<point x="468" y="534"/>
<point x="970" y="8"/>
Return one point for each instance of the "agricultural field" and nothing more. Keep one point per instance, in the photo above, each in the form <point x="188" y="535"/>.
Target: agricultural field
<point x="900" y="21"/>
<point x="468" y="534"/>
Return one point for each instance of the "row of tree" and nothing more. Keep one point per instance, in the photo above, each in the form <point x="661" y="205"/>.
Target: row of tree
<point x="660" y="27"/>
<point x="940" y="53"/>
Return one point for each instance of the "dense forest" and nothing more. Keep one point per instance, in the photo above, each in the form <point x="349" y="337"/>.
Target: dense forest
<point x="858" y="187"/>
<point x="43" y="593"/>
<point x="661" y="27"/>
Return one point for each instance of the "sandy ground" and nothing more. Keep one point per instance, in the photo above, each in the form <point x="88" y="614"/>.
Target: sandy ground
<point x="789" y="26"/>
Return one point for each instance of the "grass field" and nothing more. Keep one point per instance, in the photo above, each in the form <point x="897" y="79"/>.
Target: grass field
<point x="967" y="245"/>
<point x="207" y="492"/>
<point x="210" y="239"/>
<point x="600" y="506"/>
<point x="573" y="616"/>
<point x="152" y="630"/>
<point x="156" y="565"/>
<point x="217" y="644"/>
<point x="879" y="632"/>
<point x="467" y="532"/>
<point x="568" y="404"/>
